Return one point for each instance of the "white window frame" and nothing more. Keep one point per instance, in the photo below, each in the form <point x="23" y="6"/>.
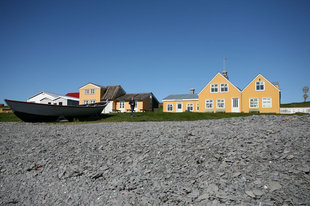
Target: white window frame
<point x="197" y="107"/>
<point x="222" y="102"/>
<point x="223" y="86"/>
<point x="208" y="103"/>
<point x="121" y="104"/>
<point x="190" y="106"/>
<point x="92" y="101"/>
<point x="266" y="102"/>
<point x="85" y="101"/>
<point x="86" y="91"/>
<point x="92" y="91"/>
<point x="260" y="83"/>
<point x="214" y="87"/>
<point x="177" y="106"/>
<point x="168" y="107"/>
<point x="251" y="106"/>
<point x="136" y="104"/>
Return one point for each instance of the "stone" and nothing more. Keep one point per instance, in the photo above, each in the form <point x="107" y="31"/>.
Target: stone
<point x="250" y="193"/>
<point x="274" y="186"/>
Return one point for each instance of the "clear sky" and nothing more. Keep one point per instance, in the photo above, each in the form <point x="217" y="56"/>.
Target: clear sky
<point x="160" y="46"/>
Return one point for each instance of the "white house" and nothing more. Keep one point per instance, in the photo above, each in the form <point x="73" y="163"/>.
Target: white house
<point x="56" y="99"/>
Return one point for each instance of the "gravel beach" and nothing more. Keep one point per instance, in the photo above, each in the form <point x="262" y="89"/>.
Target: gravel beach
<point x="255" y="160"/>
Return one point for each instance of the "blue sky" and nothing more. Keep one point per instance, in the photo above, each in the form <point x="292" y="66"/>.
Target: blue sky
<point x="165" y="47"/>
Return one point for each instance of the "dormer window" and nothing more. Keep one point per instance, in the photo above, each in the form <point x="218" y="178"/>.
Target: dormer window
<point x="260" y="86"/>
<point x="214" y="88"/>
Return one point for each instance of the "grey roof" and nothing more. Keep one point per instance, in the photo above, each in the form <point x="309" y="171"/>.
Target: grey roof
<point x="136" y="96"/>
<point x="181" y="96"/>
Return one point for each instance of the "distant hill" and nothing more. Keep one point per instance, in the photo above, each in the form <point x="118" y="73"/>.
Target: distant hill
<point x="296" y="104"/>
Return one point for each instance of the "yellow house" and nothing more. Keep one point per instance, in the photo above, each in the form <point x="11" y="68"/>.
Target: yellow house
<point x="220" y="95"/>
<point x="181" y="103"/>
<point x="144" y="102"/>
<point x="261" y="96"/>
<point x="93" y="93"/>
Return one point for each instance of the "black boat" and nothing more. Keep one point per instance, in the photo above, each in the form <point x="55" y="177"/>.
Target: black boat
<point x="36" y="112"/>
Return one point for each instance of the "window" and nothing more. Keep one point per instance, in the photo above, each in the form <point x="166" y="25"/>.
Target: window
<point x="179" y="106"/>
<point x="214" y="88"/>
<point x="49" y="103"/>
<point x="122" y="104"/>
<point x="92" y="91"/>
<point x="260" y="86"/>
<point x="197" y="107"/>
<point x="220" y="103"/>
<point x="85" y="101"/>
<point x="224" y="87"/>
<point x="93" y="101"/>
<point x="86" y="91"/>
<point x="169" y="107"/>
<point x="267" y="102"/>
<point x="254" y="103"/>
<point x="60" y="103"/>
<point x="209" y="104"/>
<point x="190" y="107"/>
<point x="136" y="104"/>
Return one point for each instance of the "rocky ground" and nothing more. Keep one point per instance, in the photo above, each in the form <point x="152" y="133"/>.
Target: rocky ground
<point x="256" y="160"/>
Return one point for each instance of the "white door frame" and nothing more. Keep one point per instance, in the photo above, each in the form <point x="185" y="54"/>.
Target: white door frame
<point x="235" y="109"/>
<point x="179" y="110"/>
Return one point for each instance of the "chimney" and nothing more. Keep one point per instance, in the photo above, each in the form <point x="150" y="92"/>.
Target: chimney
<point x="225" y="74"/>
<point x="192" y="91"/>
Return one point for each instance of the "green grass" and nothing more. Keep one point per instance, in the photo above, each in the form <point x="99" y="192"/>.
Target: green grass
<point x="297" y="104"/>
<point x="9" y="117"/>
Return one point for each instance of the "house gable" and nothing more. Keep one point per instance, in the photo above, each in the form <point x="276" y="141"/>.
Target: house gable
<point x="92" y="85"/>
<point x="260" y="76"/>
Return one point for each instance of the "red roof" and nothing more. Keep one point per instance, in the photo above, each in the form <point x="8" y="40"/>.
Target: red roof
<point x="73" y="94"/>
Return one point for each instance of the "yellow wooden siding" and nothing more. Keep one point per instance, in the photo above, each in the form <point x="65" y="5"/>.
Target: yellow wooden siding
<point x="96" y="96"/>
<point x="127" y="108"/>
<point x="184" y="105"/>
<point x="206" y="94"/>
<point x="270" y="91"/>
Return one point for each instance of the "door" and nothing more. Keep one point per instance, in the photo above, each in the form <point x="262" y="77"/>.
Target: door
<point x="235" y="105"/>
<point x="122" y="106"/>
<point x="179" y="107"/>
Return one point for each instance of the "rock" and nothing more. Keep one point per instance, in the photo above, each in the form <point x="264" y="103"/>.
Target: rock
<point x="274" y="186"/>
<point x="250" y="193"/>
<point x="258" y="193"/>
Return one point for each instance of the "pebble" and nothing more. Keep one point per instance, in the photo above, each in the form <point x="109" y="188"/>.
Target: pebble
<point x="255" y="160"/>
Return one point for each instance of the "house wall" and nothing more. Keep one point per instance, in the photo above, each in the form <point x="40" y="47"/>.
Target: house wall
<point x="46" y="100"/>
<point x="184" y="105"/>
<point x="206" y="94"/>
<point x="127" y="106"/>
<point x="96" y="96"/>
<point x="269" y="91"/>
<point x="57" y="101"/>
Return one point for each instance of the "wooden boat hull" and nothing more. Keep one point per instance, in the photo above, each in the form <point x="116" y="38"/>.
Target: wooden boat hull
<point x="34" y="112"/>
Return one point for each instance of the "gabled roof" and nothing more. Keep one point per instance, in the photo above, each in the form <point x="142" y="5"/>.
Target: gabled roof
<point x="47" y="93"/>
<point x="182" y="97"/>
<point x="224" y="78"/>
<point x="112" y="92"/>
<point x="136" y="96"/>
<point x="265" y="79"/>
<point x="97" y="85"/>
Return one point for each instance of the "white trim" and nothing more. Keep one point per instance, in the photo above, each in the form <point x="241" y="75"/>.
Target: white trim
<point x="250" y="103"/>
<point x="217" y="103"/>
<point x="260" y="85"/>
<point x="171" y="108"/>
<point x="223" y="77"/>
<point x="221" y="88"/>
<point x="209" y="103"/>
<point x="265" y="84"/>
<point x="176" y="107"/>
<point x="192" y="106"/>
<point x="270" y="102"/>
<point x="217" y="87"/>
